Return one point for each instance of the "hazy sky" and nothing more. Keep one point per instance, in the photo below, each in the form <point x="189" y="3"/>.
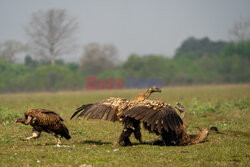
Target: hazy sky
<point x="134" y="26"/>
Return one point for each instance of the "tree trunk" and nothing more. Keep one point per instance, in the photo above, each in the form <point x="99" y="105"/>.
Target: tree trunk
<point x="52" y="61"/>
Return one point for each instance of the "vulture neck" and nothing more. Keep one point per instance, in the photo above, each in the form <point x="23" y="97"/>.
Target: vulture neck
<point x="147" y="94"/>
<point x="182" y="114"/>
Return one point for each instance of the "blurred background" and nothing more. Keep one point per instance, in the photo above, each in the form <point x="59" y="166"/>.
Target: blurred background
<point x="54" y="45"/>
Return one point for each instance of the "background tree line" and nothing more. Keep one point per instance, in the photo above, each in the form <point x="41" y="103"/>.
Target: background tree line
<point x="194" y="63"/>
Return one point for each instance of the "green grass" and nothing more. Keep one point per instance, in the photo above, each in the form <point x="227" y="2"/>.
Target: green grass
<point x="95" y="142"/>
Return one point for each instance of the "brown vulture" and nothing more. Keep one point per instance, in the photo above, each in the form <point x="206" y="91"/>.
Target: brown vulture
<point x="109" y="109"/>
<point x="44" y="120"/>
<point x="162" y="120"/>
<point x="112" y="108"/>
<point x="155" y="114"/>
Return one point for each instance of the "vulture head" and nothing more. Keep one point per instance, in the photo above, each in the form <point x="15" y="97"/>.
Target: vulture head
<point x="154" y="89"/>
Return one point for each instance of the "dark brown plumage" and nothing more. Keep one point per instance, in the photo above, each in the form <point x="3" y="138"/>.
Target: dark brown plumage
<point x="45" y="120"/>
<point x="156" y="116"/>
<point x="163" y="121"/>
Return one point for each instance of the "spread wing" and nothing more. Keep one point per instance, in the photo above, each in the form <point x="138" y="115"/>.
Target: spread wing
<point x="97" y="111"/>
<point x="83" y="108"/>
<point x="162" y="117"/>
<point x="109" y="109"/>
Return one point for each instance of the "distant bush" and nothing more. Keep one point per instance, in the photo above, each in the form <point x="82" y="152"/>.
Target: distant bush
<point x="51" y="78"/>
<point x="17" y="77"/>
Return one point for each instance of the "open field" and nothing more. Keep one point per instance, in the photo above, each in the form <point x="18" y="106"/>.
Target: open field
<point x="94" y="142"/>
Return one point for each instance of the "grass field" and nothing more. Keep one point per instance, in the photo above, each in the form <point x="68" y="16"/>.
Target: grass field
<point x="94" y="142"/>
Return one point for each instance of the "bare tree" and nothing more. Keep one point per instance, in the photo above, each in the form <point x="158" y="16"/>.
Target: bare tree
<point x="51" y="33"/>
<point x="9" y="49"/>
<point x="241" y="30"/>
<point x="97" y="58"/>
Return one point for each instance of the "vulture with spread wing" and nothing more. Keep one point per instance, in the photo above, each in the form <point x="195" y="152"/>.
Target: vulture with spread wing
<point x="161" y="119"/>
<point x="112" y="108"/>
<point x="47" y="121"/>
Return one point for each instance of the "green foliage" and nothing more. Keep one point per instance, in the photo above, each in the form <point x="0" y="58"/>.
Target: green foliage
<point x="241" y="104"/>
<point x="43" y="77"/>
<point x="199" y="47"/>
<point x="7" y="116"/>
<point x="201" y="109"/>
<point x="197" y="61"/>
<point x="50" y="78"/>
<point x="241" y="48"/>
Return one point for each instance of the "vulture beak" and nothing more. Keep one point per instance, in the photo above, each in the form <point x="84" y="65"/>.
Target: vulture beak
<point x="158" y="89"/>
<point x="28" y="120"/>
<point x="20" y="120"/>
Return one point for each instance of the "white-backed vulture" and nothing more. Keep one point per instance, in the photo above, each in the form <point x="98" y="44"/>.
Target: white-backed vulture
<point x="112" y="108"/>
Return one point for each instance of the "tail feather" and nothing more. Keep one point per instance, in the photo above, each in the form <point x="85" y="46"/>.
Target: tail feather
<point x="67" y="136"/>
<point x="65" y="132"/>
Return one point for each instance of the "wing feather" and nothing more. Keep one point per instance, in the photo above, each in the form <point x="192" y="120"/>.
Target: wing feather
<point x="51" y="114"/>
<point x="111" y="115"/>
<point x="156" y="119"/>
<point x="97" y="111"/>
<point x="82" y="108"/>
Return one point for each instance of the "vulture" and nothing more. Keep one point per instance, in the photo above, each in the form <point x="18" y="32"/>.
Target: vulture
<point x="161" y="119"/>
<point x="182" y="111"/>
<point x="112" y="108"/>
<point x="47" y="121"/>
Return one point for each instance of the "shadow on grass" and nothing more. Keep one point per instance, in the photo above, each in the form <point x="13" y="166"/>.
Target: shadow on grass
<point x="99" y="142"/>
<point x="44" y="144"/>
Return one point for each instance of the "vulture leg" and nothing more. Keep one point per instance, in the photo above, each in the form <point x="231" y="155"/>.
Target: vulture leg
<point x="169" y="138"/>
<point x="137" y="131"/>
<point x="58" y="139"/>
<point x="130" y="126"/>
<point x="125" y="137"/>
<point x="35" y="134"/>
